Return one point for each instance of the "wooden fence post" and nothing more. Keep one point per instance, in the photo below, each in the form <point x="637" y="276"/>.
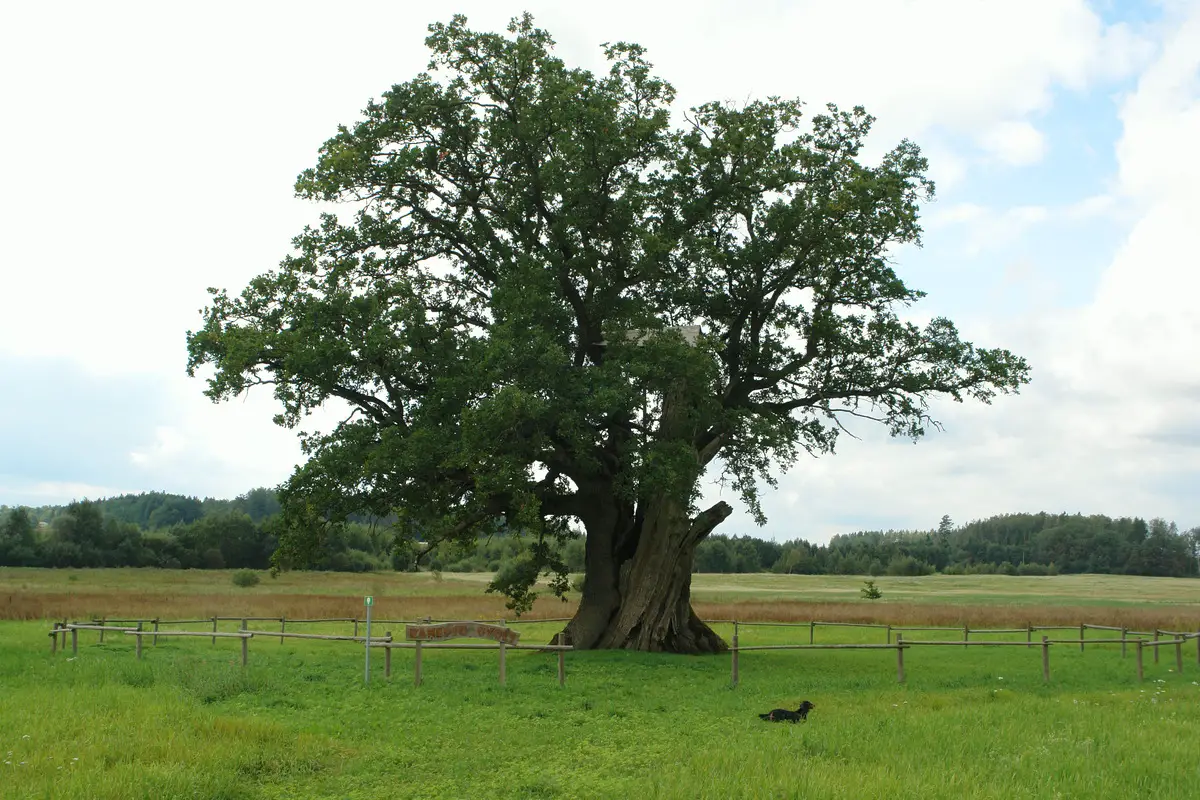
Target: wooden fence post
<point x="387" y="659"/>
<point x="154" y="639"/>
<point x="1156" y="632"/>
<point x="417" y="665"/>
<point x="1124" y="635"/>
<point x="356" y="626"/>
<point x="1046" y="659"/>
<point x="1179" y="655"/>
<point x="889" y="634"/>
<point x="1029" y="634"/>
<point x="812" y="627"/>
<point x="214" y="639"/>
<point x="733" y="666"/>
<point x="900" y="657"/>
<point x="103" y="622"/>
<point x="243" y="623"/>
<point x="503" y="668"/>
<point x="74" y="642"/>
<point x="245" y="646"/>
<point x="1081" y="632"/>
<point x="735" y="628"/>
<point x="1139" y="658"/>
<point x="966" y="634"/>
<point x="562" y="662"/>
<point x="138" y="636"/>
<point x="282" y="628"/>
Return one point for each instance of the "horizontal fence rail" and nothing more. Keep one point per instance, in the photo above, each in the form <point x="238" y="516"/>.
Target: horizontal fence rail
<point x="1155" y="639"/>
<point x="245" y="634"/>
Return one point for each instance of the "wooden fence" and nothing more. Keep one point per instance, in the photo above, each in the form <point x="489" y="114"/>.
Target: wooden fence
<point x="900" y="645"/>
<point x="245" y="634"/>
<point x="893" y="634"/>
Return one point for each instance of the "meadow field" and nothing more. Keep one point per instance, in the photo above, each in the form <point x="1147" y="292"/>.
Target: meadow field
<point x="189" y="721"/>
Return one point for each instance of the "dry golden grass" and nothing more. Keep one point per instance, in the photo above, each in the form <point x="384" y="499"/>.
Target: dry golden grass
<point x="147" y="605"/>
<point x="977" y="601"/>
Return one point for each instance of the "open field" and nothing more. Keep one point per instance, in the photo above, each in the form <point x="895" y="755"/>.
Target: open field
<point x="980" y="600"/>
<point x="188" y="721"/>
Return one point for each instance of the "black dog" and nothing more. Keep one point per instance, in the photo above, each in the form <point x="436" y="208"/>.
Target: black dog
<point x="783" y="715"/>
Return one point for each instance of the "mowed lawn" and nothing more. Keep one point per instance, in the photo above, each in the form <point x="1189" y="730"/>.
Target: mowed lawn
<point x="189" y="721"/>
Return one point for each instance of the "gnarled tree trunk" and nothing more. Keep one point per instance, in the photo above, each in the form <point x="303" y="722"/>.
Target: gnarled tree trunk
<point x="637" y="593"/>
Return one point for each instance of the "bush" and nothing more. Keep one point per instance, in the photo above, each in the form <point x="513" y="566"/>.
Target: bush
<point x="245" y="578"/>
<point x="870" y="591"/>
<point x="212" y="559"/>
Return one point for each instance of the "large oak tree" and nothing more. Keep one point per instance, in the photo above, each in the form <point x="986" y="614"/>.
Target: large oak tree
<point x="548" y="305"/>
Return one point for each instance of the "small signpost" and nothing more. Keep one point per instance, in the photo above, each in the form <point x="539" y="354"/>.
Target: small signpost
<point x="368" y="601"/>
<point x="440" y="632"/>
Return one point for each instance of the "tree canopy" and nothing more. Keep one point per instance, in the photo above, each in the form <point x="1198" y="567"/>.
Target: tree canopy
<point x="508" y="303"/>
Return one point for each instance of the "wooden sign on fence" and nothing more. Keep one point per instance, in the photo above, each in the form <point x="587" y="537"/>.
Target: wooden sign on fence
<point x="442" y="631"/>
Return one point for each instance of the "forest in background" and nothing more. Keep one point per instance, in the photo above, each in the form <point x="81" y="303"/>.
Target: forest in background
<point x="171" y="531"/>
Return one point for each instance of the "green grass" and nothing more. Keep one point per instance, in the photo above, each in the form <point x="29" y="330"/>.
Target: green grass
<point x="188" y="721"/>
<point x="1068" y="590"/>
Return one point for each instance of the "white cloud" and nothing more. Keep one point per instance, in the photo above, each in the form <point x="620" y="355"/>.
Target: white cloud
<point x="168" y="444"/>
<point x="987" y="228"/>
<point x="1016" y="143"/>
<point x="1091" y="207"/>
<point x="182" y="177"/>
<point x="1142" y="331"/>
<point x="17" y="491"/>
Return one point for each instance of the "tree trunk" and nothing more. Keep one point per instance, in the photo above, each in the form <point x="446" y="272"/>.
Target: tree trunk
<point x="637" y="591"/>
<point x="638" y="580"/>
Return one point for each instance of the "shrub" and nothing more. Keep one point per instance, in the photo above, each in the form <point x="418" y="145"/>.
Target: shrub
<point x="870" y="591"/>
<point x="212" y="559"/>
<point x="245" y="578"/>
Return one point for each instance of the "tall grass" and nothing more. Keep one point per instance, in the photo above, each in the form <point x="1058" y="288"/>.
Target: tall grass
<point x="979" y="601"/>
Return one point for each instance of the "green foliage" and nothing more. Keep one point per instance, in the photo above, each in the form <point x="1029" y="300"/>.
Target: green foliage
<point x="502" y="305"/>
<point x="245" y="578"/>
<point x="870" y="591"/>
<point x="1034" y="543"/>
<point x="86" y="534"/>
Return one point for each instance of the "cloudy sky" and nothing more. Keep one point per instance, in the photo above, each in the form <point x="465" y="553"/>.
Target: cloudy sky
<point x="150" y="149"/>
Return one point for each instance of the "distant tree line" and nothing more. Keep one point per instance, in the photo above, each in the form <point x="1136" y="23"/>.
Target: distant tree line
<point x="171" y="531"/>
<point x="1010" y="544"/>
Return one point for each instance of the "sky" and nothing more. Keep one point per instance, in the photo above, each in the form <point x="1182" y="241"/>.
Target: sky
<point x="150" y="151"/>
